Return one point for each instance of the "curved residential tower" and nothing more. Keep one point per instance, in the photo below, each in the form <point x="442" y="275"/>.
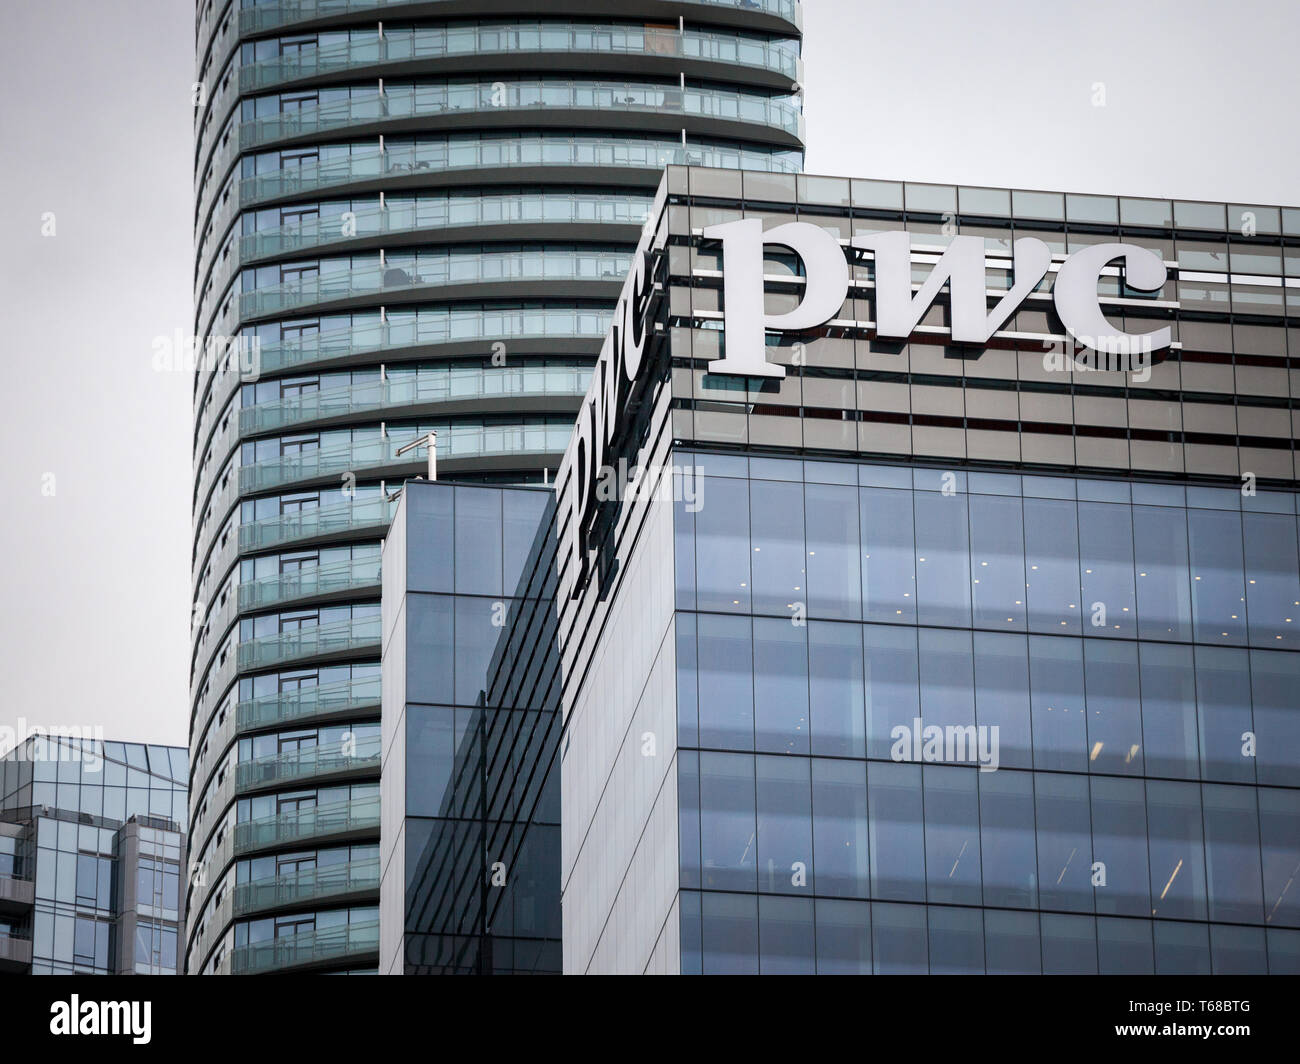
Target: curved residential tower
<point x="409" y="217"/>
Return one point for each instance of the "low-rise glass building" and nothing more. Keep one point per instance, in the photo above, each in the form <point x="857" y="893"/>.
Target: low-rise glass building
<point x="92" y="844"/>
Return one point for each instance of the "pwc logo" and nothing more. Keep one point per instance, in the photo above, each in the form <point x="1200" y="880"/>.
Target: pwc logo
<point x="827" y="281"/>
<point x="899" y="310"/>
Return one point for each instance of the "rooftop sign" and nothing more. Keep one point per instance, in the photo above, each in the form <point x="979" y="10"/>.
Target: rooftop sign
<point x="962" y="267"/>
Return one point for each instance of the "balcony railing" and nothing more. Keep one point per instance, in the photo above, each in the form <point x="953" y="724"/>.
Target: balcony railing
<point x="308" y="703"/>
<point x="434" y="270"/>
<point x="475" y="153"/>
<point x="409" y="101"/>
<point x="308" y="887"/>
<point x="313" y="762"/>
<point x="324" y="640"/>
<point x="307" y="948"/>
<point x="437" y="326"/>
<point x="379" y="452"/>
<point x="361" y="515"/>
<point x="316" y="582"/>
<point x="340" y="819"/>
<point x="414" y="390"/>
<point x="439" y="42"/>
<point x="444" y="213"/>
<point x="258" y="18"/>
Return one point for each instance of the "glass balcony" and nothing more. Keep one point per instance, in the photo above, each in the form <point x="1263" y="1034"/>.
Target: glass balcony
<point x="17" y="892"/>
<point x="341" y="637"/>
<point x="307" y="948"/>
<point x="309" y="825"/>
<point x="439" y="325"/>
<point x="308" y="703"/>
<point x="414" y="390"/>
<point x="318" y="581"/>
<point x="439" y="42"/>
<point x="258" y="18"/>
<point x="309" y="887"/>
<point x="378" y="452"/>
<point x="445" y="213"/>
<point x="434" y="270"/>
<point x="359" y="515"/>
<point x="408" y="101"/>
<point x="474" y="153"/>
<point x="311" y="763"/>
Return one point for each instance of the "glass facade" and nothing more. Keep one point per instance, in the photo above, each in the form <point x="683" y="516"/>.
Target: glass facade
<point x="1131" y="705"/>
<point x="930" y="657"/>
<point x="92" y="836"/>
<point x="471" y="822"/>
<point x="407" y="219"/>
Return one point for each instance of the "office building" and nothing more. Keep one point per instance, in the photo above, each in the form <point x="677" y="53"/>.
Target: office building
<point x="409" y="217"/>
<point x="926" y="589"/>
<point x="92" y="841"/>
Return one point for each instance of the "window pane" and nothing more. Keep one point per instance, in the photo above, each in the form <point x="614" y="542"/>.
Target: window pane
<point x="1160" y="550"/>
<point x="952" y="843"/>
<point x="1113" y="707"/>
<point x="785" y="932"/>
<point x="1011" y="944"/>
<point x="781" y="686"/>
<point x="1007" y="849"/>
<point x="1119" y="842"/>
<point x="942" y="559"/>
<point x="785" y="850"/>
<point x="889" y="587"/>
<point x="843" y="937"/>
<point x="1232" y="854"/>
<point x="897" y="846"/>
<point x="1168" y="683"/>
<point x="729" y="934"/>
<point x="1069" y="944"/>
<point x="1064" y="842"/>
<point x="726" y="682"/>
<point x="1176" y="850"/>
<point x="839" y="798"/>
<point x="727" y="824"/>
<point x="835" y="672"/>
<point x="956" y="941"/>
<point x="834" y="582"/>
<point x="898" y="939"/>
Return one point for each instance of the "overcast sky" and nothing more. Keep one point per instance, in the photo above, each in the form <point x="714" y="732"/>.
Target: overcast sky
<point x="1199" y="102"/>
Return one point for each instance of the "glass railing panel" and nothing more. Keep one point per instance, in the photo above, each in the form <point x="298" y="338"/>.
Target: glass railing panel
<point x="307" y="947"/>
<point x="309" y="583"/>
<point x="286" y="707"/>
<point x="308" y="886"/>
<point x="444" y="213"/>
<point x="316" y="822"/>
<point x="359" y="515"/>
<point x="432" y="270"/>
<point x="377" y="452"/>
<point x="255" y="18"/>
<point x="439" y="42"/>
<point x="335" y="638"/>
<point x="422" y="100"/>
<point x="438" y="327"/>
<point x="413" y="390"/>
<point x="331" y="759"/>
<point x="463" y="153"/>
